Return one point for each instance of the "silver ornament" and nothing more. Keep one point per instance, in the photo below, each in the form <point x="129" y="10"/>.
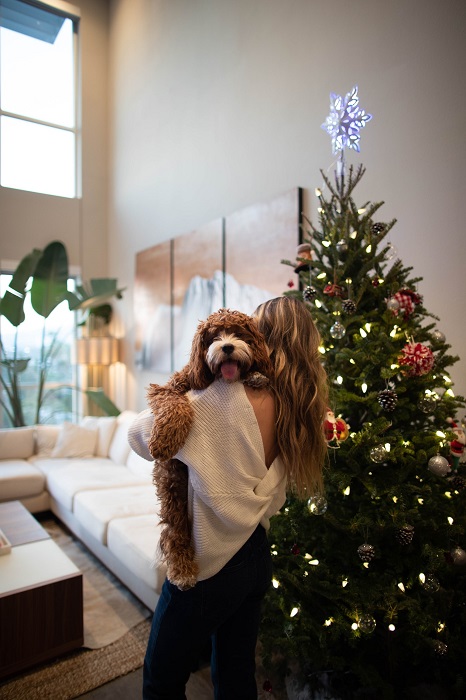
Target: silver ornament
<point x="459" y="556"/>
<point x="438" y="336"/>
<point x="317" y="505"/>
<point x="367" y="624"/>
<point x="438" y="465"/>
<point x="427" y="404"/>
<point x="393" y="304"/>
<point x="338" y="330"/>
<point x="342" y="247"/>
<point x="431" y="584"/>
<point x="440" y="648"/>
<point x="392" y="252"/>
<point x="378" y="454"/>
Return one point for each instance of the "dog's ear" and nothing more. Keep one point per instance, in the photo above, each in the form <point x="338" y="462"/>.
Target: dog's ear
<point x="200" y="376"/>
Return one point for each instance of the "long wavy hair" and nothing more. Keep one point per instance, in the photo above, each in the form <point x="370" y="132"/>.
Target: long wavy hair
<point x="301" y="391"/>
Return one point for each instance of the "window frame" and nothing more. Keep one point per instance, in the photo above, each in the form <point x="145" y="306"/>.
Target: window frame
<point x="64" y="9"/>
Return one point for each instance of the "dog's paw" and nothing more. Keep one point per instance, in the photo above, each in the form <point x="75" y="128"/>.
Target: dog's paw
<point x="256" y="380"/>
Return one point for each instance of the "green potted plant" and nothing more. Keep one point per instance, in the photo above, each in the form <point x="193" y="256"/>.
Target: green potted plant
<point x="43" y="274"/>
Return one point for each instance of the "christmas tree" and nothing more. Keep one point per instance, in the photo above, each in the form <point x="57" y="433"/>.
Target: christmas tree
<point x="369" y="589"/>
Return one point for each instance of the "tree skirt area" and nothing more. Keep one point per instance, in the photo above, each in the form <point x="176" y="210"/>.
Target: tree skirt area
<point x="116" y="629"/>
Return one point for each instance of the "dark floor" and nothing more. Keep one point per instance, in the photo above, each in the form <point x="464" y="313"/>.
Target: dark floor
<point x="129" y="687"/>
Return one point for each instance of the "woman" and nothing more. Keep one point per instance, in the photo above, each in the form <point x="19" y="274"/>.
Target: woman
<point x="245" y="448"/>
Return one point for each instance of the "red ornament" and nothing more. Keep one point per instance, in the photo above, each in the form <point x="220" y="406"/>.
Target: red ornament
<point x="417" y="358"/>
<point x="295" y="550"/>
<point x="290" y="284"/>
<point x="336" y="429"/>
<point x="407" y="300"/>
<point x="333" y="290"/>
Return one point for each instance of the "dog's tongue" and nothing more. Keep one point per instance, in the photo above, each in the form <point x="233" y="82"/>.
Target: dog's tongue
<point x="229" y="369"/>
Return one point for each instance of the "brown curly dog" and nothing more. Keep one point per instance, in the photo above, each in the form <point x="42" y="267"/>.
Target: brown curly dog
<point x="229" y="345"/>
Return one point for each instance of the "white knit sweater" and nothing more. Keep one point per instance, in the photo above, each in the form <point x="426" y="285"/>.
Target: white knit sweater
<point x="230" y="488"/>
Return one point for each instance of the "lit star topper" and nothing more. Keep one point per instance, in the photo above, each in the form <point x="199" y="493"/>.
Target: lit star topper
<point x="345" y="121"/>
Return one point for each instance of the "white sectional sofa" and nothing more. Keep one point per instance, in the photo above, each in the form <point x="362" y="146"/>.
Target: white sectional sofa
<point x="88" y="476"/>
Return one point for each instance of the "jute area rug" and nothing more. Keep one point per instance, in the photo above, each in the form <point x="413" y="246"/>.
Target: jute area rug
<point x="116" y="629"/>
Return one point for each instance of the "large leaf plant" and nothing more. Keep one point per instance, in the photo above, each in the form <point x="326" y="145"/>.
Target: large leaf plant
<point x="43" y="274"/>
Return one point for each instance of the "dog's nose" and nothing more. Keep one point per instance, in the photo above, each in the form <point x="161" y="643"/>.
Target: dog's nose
<point x="228" y="349"/>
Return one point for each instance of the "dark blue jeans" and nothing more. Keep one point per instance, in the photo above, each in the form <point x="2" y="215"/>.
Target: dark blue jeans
<point x="225" y="608"/>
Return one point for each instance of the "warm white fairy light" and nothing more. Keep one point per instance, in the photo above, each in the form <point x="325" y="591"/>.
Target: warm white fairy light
<point x="352" y="362"/>
<point x="440" y="434"/>
<point x="422" y="578"/>
<point x="354" y="626"/>
<point x="294" y="612"/>
<point x="448" y="494"/>
<point x="401" y="587"/>
<point x="447" y="379"/>
<point x="322" y="276"/>
<point x="275" y="583"/>
<point x="353" y="235"/>
<point x="318" y="192"/>
<point x="450" y="520"/>
<point x="449" y="392"/>
<point x="369" y="248"/>
<point x="420" y="501"/>
<point x="394" y="331"/>
<point x="326" y="244"/>
<point x="339" y="379"/>
<point x="346" y="492"/>
<point x="318" y="303"/>
<point x="441" y="626"/>
<point x="388" y="446"/>
<point x="328" y="622"/>
<point x="391" y="627"/>
<point x="321" y="349"/>
<point x="364" y="388"/>
<point x="320" y="210"/>
<point x="368" y="327"/>
<point x="395" y="499"/>
<point x="362" y="211"/>
<point x="363" y="333"/>
<point x="394" y="366"/>
<point x="344" y="583"/>
<point x="366" y="565"/>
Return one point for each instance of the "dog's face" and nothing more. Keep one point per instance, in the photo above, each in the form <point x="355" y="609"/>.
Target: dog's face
<point x="229" y="345"/>
<point x="229" y="353"/>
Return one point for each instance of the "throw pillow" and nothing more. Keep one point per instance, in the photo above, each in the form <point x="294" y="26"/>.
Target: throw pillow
<point x="105" y="426"/>
<point x="75" y="441"/>
<point x="45" y="439"/>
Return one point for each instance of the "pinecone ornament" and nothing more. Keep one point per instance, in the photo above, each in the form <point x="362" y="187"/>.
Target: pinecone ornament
<point x="366" y="552"/>
<point x="349" y="307"/>
<point x="309" y="294"/>
<point x="387" y="399"/>
<point x="405" y="534"/>
<point x="458" y="483"/>
<point x="378" y="228"/>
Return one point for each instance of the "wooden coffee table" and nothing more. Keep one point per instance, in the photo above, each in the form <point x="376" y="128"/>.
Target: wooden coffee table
<point x="41" y="595"/>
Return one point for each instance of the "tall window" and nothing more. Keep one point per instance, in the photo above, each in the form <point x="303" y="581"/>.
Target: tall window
<point x="38" y="97"/>
<point x="58" y="331"/>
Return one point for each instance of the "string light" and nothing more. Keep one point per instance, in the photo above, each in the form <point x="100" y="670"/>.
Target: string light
<point x="420" y="501"/>
<point x="369" y="248"/>
<point x="391" y="627"/>
<point x="318" y="192"/>
<point x="368" y="327"/>
<point x="294" y="612"/>
<point x="448" y="494"/>
<point x="450" y="520"/>
<point x="346" y="492"/>
<point x="353" y="234"/>
<point x="388" y="446"/>
<point x="364" y="388"/>
<point x="352" y="362"/>
<point x="354" y="626"/>
<point x="363" y="333"/>
<point x="318" y="303"/>
<point x="395" y="499"/>
<point x="326" y="244"/>
<point x="322" y="350"/>
<point x="422" y="578"/>
<point x="322" y="276"/>
<point x="449" y="392"/>
<point x="441" y="626"/>
<point x="275" y="583"/>
<point x="440" y="434"/>
<point x="362" y="211"/>
<point x="339" y="379"/>
<point x="401" y="587"/>
<point x="328" y="622"/>
<point x="344" y="583"/>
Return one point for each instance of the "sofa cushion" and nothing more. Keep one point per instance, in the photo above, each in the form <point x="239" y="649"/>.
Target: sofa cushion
<point x="140" y="466"/>
<point x="119" y="447"/>
<point x="45" y="439"/>
<point x="105" y="426"/>
<point x="95" y="509"/>
<point x="19" y="479"/>
<point x="75" y="441"/>
<point x="16" y="443"/>
<point x="86" y="475"/>
<point x="134" y="541"/>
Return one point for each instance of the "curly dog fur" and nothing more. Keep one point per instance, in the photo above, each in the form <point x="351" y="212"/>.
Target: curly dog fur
<point x="225" y="338"/>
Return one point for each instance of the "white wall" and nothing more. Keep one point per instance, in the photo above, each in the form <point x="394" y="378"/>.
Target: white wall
<point x="217" y="104"/>
<point x="29" y="220"/>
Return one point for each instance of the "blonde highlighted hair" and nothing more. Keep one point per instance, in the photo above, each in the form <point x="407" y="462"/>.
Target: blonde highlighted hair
<point x="301" y="391"/>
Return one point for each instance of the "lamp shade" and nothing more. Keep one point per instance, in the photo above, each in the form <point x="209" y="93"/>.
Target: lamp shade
<point x="97" y="350"/>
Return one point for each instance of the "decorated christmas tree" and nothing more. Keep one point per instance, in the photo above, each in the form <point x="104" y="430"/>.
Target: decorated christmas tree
<point x="369" y="589"/>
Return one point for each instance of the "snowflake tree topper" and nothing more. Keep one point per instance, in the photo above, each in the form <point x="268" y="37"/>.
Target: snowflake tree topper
<point x="345" y="121"/>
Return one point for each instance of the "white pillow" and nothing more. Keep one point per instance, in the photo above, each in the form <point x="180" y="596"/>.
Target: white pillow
<point x="119" y="448"/>
<point x="46" y="438"/>
<point x="75" y="441"/>
<point x="105" y="426"/>
<point x="16" y="443"/>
